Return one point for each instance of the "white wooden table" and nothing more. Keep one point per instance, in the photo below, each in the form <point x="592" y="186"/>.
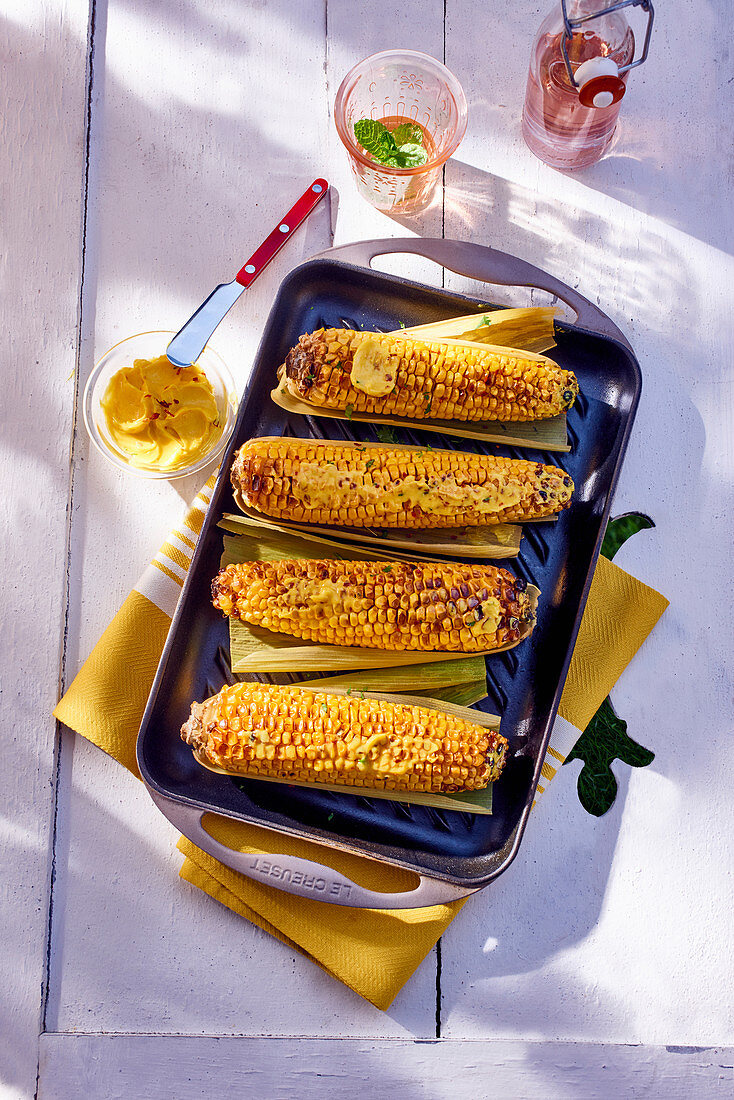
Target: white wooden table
<point x="147" y="149"/>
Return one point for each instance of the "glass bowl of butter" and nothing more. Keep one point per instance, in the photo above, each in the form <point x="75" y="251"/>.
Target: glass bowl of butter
<point x="156" y="420"/>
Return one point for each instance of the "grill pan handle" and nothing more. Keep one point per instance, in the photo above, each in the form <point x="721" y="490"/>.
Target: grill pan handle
<point x="301" y="876"/>
<point x="488" y="265"/>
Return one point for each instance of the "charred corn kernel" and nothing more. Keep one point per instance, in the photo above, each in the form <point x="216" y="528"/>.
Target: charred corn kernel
<point x="290" y="733"/>
<point x="379" y="605"/>
<point x="309" y="481"/>
<point x="368" y="372"/>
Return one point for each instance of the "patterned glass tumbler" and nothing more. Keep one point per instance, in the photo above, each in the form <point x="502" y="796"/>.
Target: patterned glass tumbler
<point x="395" y="87"/>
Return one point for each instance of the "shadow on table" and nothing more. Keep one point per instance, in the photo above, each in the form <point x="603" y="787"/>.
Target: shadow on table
<point x="552" y="896"/>
<point x="171" y="959"/>
<point x="548" y="900"/>
<point x="484" y="208"/>
<point x="480" y="207"/>
<point x="214" y="232"/>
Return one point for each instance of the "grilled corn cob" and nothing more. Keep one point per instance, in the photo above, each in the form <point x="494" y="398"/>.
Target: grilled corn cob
<point x="339" y="484"/>
<point x="290" y="733"/>
<point x="380" y="605"/>
<point x="445" y="380"/>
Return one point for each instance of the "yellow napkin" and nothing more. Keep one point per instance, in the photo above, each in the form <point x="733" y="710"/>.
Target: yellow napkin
<point x="372" y="951"/>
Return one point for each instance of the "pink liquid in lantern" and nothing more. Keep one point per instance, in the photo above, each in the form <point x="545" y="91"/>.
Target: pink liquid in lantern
<point x="557" y="127"/>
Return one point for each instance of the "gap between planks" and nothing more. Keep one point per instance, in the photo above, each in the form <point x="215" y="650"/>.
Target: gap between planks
<point x="66" y="598"/>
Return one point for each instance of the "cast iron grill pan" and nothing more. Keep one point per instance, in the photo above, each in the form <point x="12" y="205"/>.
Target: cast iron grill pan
<point x="524" y="684"/>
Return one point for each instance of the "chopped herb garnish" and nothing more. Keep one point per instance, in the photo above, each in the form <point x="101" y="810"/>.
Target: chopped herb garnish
<point x="370" y="464"/>
<point x="387" y="569"/>
<point x="348" y="411"/>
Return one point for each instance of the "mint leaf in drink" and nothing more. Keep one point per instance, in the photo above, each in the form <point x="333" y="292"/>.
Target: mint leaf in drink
<point x="375" y="138"/>
<point x="407" y="134"/>
<point x="401" y="149"/>
<point x="411" y="156"/>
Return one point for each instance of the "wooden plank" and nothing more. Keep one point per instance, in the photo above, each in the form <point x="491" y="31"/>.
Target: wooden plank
<point x="583" y="935"/>
<point x="188" y="174"/>
<point x="104" y="1067"/>
<point x="352" y="35"/>
<point x="202" y="136"/>
<point x="41" y="189"/>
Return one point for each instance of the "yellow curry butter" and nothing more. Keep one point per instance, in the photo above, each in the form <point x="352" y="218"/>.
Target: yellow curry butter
<point x="160" y="416"/>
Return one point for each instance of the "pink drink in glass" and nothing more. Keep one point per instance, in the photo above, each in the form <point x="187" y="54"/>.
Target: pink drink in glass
<point x="556" y="126"/>
<point x="394" y="87"/>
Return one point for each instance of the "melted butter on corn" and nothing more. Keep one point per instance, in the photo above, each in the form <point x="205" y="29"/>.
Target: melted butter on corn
<point x="445" y="380"/>
<point x="378" y="605"/>
<point x="311" y="481"/>
<point x="286" y="732"/>
<point x="374" y="369"/>
<point x="317" y="486"/>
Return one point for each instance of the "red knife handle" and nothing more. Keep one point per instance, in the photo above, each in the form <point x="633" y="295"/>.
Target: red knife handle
<point x="283" y="230"/>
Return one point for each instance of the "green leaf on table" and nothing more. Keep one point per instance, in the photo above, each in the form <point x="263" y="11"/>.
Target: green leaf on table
<point x="605" y="739"/>
<point x="386" y="434"/>
<point x="620" y="529"/>
<point x="407" y="133"/>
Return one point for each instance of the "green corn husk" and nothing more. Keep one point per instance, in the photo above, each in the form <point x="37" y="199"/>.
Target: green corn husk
<point x="479" y="802"/>
<point x="428" y="677"/>
<point x="500" y="540"/>
<point x="529" y="330"/>
<point x="254" y="649"/>
<point x="461" y="682"/>
<point x="462" y="695"/>
<point x="451" y="684"/>
<point x="525" y="329"/>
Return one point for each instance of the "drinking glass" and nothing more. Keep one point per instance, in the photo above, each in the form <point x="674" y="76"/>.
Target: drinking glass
<point x="397" y="86"/>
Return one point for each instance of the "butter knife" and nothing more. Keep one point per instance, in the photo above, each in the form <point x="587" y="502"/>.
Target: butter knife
<point x="189" y="342"/>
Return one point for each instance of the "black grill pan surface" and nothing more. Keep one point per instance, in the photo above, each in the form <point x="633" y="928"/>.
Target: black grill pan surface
<point x="524" y="684"/>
